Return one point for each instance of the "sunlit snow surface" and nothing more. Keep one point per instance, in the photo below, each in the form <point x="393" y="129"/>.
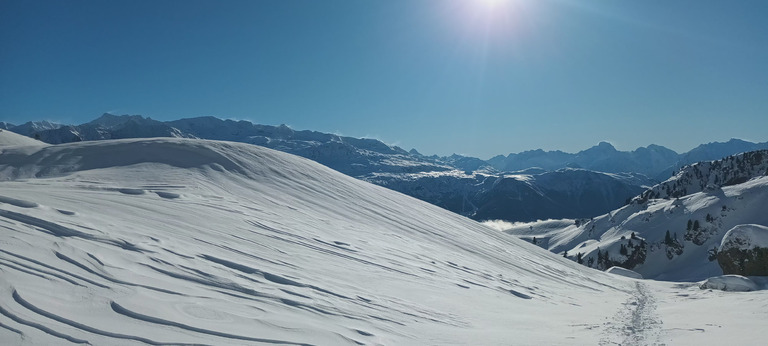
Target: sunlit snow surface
<point x="169" y="241"/>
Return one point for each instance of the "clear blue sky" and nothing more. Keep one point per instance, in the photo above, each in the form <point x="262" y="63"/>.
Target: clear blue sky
<point x="476" y="77"/>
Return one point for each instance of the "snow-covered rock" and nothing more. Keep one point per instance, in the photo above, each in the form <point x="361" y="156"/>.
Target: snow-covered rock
<point x="745" y="237"/>
<point x="624" y="272"/>
<point x="734" y="283"/>
<point x="744" y="250"/>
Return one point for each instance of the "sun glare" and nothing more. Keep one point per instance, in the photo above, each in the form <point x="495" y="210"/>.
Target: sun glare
<point x="491" y="3"/>
<point x="492" y="9"/>
<point x="491" y="17"/>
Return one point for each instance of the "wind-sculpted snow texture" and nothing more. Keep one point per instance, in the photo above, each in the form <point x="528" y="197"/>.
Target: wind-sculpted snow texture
<point x="172" y="241"/>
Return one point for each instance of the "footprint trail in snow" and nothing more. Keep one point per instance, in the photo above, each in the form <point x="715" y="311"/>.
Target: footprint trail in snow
<point x="636" y="323"/>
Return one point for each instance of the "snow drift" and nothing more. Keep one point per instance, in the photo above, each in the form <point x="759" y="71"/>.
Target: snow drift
<point x="735" y="283"/>
<point x="624" y="272"/>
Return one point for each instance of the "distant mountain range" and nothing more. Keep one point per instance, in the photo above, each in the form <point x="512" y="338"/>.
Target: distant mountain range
<point x="654" y="161"/>
<point x="521" y="187"/>
<point x="519" y="196"/>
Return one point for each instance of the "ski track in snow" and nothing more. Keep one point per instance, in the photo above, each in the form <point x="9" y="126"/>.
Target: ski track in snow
<point x="636" y="323"/>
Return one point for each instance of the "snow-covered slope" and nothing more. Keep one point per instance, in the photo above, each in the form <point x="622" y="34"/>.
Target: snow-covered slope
<point x="9" y="139"/>
<point x="188" y="241"/>
<point x="173" y="241"/>
<point x="673" y="238"/>
<point x="711" y="175"/>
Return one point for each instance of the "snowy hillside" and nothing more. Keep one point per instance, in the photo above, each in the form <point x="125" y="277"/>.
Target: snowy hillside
<point x="711" y="175"/>
<point x="174" y="241"/>
<point x="676" y="238"/>
<point x="8" y="139"/>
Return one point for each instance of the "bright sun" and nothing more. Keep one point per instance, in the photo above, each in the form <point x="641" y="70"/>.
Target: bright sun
<point x="488" y="20"/>
<point x="492" y="3"/>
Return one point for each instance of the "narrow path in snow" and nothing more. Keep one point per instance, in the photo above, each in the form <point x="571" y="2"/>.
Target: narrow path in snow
<point x="636" y="322"/>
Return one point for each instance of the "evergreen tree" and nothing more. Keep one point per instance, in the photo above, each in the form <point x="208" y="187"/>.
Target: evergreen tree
<point x="601" y="259"/>
<point x="667" y="239"/>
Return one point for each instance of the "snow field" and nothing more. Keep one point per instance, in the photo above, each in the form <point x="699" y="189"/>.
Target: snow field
<point x="170" y="241"/>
